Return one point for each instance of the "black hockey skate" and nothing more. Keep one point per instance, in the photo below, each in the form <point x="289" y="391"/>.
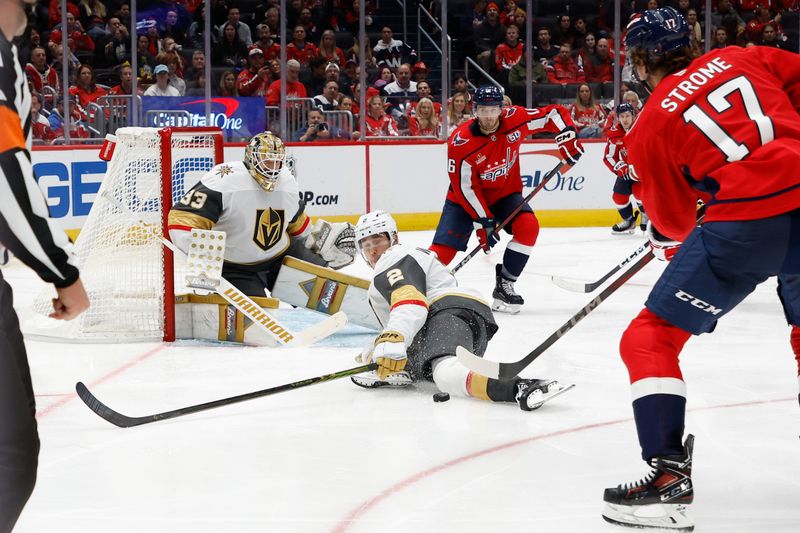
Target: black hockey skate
<point x="626" y="226"/>
<point x="660" y="499"/>
<point x="506" y="299"/>
<point x="533" y="393"/>
<point x="643" y="222"/>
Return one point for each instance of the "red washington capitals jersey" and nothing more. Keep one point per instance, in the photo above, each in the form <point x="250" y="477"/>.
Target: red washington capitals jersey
<point x="725" y="130"/>
<point x="616" y="151"/>
<point x="484" y="168"/>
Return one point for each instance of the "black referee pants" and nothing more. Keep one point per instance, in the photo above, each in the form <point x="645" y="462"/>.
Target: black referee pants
<point x="19" y="440"/>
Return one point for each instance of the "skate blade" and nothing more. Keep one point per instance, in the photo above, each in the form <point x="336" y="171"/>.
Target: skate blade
<point x="503" y="307"/>
<point x="549" y="395"/>
<point x="624" y="232"/>
<point x="673" y="517"/>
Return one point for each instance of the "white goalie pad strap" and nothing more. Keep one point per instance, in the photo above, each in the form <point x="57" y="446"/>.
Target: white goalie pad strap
<point x="334" y="242"/>
<point x="325" y="290"/>
<point x="649" y="386"/>
<point x="204" y="259"/>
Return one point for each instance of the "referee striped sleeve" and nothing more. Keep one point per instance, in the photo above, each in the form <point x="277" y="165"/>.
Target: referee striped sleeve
<point x="25" y="226"/>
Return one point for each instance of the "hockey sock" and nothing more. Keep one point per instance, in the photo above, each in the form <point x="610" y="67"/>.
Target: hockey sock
<point x="650" y="348"/>
<point x="486" y="388"/>
<point x="624" y="206"/>
<point x="525" y="229"/>
<point x="444" y="253"/>
<point x="795" y="339"/>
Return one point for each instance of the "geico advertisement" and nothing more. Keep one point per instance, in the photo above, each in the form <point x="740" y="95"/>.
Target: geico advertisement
<point x="332" y="179"/>
<point x="413" y="178"/>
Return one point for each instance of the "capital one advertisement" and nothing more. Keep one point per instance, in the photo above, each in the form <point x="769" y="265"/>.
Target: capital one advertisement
<point x="238" y="117"/>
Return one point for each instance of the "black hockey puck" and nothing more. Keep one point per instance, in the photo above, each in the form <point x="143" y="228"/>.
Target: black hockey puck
<point x="441" y="397"/>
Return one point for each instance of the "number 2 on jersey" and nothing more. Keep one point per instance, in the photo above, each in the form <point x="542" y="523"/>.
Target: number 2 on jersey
<point x="718" y="99"/>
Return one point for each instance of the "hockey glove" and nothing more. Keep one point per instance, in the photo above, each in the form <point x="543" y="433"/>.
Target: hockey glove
<point x="485" y="230"/>
<point x="334" y="242"/>
<point x="623" y="171"/>
<point x="390" y="353"/>
<point x="663" y="247"/>
<point x="569" y="145"/>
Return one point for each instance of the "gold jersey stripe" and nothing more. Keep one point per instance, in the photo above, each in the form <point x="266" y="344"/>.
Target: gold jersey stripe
<point x="407" y="292"/>
<point x="184" y="218"/>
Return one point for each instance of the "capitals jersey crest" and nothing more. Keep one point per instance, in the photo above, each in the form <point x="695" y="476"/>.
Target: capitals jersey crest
<point x="269" y="227"/>
<point x="458" y="140"/>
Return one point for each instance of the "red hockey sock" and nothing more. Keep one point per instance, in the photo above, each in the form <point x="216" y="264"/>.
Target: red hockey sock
<point x="650" y="347"/>
<point x="795" y="339"/>
<point x="445" y="253"/>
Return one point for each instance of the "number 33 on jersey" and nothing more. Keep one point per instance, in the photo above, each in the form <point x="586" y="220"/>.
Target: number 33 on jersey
<point x="723" y="130"/>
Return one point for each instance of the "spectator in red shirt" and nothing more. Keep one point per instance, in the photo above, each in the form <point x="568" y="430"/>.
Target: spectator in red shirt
<point x="600" y="66"/>
<point x="85" y="91"/>
<point x="269" y="47"/>
<point x="77" y="38"/>
<point x="255" y="79"/>
<point x="425" y="122"/>
<point x="294" y="89"/>
<point x="328" y="49"/>
<point x="756" y="26"/>
<point x="40" y="126"/>
<point x="508" y="53"/>
<point x="39" y="73"/>
<point x="507" y="17"/>
<point x="563" y="69"/>
<point x="587" y="114"/>
<point x="299" y="49"/>
<point x="125" y="82"/>
<point x="379" y="124"/>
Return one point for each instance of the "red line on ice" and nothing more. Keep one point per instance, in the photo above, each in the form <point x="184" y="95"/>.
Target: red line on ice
<point x="367" y="505"/>
<point x="102" y="379"/>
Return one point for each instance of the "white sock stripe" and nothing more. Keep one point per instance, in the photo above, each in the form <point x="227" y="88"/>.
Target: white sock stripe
<point x="649" y="386"/>
<point x="520" y="248"/>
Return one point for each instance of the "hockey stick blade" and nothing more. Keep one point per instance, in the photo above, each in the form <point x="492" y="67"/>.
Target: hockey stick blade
<point x="578" y="286"/>
<point x="506" y="371"/>
<point x="123" y="421"/>
<point x="321" y="330"/>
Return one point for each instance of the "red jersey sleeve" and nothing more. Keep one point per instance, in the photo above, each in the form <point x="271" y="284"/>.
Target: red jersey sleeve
<point x="613" y="154"/>
<point x="464" y="180"/>
<point x="786" y="69"/>
<point x="551" y="118"/>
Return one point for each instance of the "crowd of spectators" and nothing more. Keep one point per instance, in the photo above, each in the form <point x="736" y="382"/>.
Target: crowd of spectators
<point x="573" y="59"/>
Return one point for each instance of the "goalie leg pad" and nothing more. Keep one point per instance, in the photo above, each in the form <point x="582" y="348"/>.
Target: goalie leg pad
<point x="334" y="242"/>
<point x="213" y="318"/>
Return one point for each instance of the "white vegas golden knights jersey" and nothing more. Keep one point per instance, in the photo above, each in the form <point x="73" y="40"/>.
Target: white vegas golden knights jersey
<point x="407" y="282"/>
<point x="258" y="224"/>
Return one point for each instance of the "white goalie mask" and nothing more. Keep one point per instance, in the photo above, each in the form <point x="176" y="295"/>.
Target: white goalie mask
<point x="264" y="157"/>
<point x="375" y="223"/>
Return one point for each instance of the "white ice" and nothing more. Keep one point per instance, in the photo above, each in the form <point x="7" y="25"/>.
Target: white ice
<point x="335" y="457"/>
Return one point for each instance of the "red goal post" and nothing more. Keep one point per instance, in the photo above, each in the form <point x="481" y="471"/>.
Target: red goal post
<point x="130" y="276"/>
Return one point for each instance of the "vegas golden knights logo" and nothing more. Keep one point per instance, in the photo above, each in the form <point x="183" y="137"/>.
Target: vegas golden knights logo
<point x="269" y="227"/>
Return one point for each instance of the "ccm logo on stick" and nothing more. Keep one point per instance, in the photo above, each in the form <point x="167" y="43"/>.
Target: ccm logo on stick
<point x="698" y="303"/>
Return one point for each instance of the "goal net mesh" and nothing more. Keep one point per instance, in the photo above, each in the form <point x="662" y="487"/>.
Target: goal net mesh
<point x="121" y="259"/>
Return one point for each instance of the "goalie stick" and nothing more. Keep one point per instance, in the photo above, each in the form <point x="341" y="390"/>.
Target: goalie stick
<point x="511" y="216"/>
<point x="124" y="421"/>
<point x="577" y="286"/>
<point x="507" y="371"/>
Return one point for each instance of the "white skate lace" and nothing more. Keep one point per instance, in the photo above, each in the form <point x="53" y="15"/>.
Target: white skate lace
<point x="508" y="286"/>
<point x="646" y="480"/>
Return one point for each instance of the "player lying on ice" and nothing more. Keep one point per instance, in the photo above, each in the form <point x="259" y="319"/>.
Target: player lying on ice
<point x="723" y="127"/>
<point x="425" y="317"/>
<point x="485" y="184"/>
<point x="257" y="203"/>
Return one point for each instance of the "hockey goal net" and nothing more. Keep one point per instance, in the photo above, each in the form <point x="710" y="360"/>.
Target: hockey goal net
<point x="128" y="273"/>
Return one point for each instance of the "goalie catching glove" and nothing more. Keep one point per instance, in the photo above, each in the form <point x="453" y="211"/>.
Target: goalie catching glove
<point x="334" y="242"/>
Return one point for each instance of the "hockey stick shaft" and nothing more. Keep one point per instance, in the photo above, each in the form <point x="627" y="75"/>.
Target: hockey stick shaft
<point x="124" y="421"/>
<point x="511" y="216"/>
<point x="506" y="371"/>
<point x="591" y="287"/>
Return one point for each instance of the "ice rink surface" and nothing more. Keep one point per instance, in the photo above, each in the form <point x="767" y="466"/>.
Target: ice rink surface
<point x="335" y="457"/>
